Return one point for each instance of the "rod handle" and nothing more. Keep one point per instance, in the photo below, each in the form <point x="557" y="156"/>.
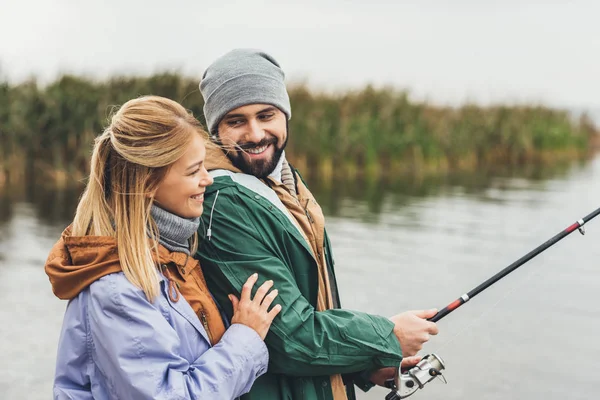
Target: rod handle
<point x="439" y="315"/>
<point x="448" y="309"/>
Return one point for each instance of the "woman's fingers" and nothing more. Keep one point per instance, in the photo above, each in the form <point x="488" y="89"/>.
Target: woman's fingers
<point x="247" y="288"/>
<point x="234" y="301"/>
<point x="268" y="300"/>
<point x="274" y="311"/>
<point x="254" y="312"/>
<point x="261" y="292"/>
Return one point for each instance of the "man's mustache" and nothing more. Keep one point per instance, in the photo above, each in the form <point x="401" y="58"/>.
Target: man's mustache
<point x="252" y="145"/>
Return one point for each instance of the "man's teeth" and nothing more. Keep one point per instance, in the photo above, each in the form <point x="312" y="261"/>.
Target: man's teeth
<point x="257" y="150"/>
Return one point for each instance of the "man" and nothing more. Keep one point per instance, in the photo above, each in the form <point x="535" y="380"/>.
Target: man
<point x="260" y="217"/>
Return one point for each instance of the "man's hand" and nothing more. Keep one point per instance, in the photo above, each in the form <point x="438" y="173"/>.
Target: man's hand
<point x="381" y="375"/>
<point x="412" y="330"/>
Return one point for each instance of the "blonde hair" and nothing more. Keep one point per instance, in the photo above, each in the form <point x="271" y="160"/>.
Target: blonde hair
<point x="130" y="158"/>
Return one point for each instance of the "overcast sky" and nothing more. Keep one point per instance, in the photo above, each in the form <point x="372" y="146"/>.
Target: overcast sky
<point x="445" y="51"/>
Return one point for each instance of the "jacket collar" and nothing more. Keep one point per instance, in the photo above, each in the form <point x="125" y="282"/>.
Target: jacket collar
<point x="216" y="159"/>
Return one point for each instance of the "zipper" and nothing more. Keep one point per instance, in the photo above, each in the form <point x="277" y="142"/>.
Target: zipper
<point x="205" y="324"/>
<point x="310" y="218"/>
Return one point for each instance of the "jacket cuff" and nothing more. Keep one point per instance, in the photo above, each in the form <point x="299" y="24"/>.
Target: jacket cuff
<point x="362" y="380"/>
<point x="254" y="346"/>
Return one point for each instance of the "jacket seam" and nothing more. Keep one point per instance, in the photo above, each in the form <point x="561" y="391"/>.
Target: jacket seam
<point x="139" y="347"/>
<point x="89" y="340"/>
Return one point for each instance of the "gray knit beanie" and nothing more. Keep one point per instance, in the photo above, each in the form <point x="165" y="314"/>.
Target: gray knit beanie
<point x="239" y="78"/>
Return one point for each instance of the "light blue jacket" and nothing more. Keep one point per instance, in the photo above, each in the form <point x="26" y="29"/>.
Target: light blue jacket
<point x="115" y="344"/>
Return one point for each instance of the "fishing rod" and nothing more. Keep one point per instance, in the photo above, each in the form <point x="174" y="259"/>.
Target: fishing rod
<point x="430" y="367"/>
<point x="579" y="225"/>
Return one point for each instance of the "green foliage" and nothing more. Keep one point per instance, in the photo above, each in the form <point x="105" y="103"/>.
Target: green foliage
<point x="379" y="130"/>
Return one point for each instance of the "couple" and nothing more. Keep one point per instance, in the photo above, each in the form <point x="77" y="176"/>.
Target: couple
<point x="199" y="267"/>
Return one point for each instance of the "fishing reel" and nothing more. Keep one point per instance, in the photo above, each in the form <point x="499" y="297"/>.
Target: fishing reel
<point x="407" y="383"/>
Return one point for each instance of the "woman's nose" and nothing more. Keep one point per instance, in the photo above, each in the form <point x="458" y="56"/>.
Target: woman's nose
<point x="207" y="178"/>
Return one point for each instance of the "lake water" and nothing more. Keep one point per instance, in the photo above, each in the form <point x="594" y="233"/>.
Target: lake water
<point x="399" y="244"/>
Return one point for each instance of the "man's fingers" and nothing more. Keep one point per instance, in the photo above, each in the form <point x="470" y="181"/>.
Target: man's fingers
<point x="408" y="362"/>
<point x="247" y="288"/>
<point x="432" y="328"/>
<point x="425" y="314"/>
<point x="380" y="376"/>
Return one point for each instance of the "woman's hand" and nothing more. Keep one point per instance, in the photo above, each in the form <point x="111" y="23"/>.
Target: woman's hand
<point x="254" y="313"/>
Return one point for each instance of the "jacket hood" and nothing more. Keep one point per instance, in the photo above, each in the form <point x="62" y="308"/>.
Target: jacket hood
<point x="75" y="262"/>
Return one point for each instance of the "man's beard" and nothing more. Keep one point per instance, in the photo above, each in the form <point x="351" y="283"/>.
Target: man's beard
<point x="258" y="168"/>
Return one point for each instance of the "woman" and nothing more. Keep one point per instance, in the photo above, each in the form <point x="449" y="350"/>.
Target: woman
<point x="141" y="323"/>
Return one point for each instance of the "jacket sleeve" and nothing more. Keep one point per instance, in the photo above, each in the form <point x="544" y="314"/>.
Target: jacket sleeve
<point x="301" y="341"/>
<point x="137" y="350"/>
<point x="71" y="380"/>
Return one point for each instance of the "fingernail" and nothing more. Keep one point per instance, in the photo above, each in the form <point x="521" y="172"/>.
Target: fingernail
<point x="255" y="275"/>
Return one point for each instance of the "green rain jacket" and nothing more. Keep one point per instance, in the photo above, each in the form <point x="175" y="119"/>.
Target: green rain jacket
<point x="245" y="230"/>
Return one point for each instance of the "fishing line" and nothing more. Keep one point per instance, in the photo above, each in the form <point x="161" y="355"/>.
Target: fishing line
<point x="579" y="225"/>
<point x="430" y="367"/>
<point x="484" y="313"/>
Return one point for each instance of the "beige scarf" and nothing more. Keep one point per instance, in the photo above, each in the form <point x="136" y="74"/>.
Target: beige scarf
<point x="299" y="202"/>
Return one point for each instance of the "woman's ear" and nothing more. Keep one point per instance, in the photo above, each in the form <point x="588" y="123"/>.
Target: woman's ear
<point x="150" y="194"/>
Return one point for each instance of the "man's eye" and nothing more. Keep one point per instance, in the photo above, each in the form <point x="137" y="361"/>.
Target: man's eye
<point x="266" y="117"/>
<point x="234" y="122"/>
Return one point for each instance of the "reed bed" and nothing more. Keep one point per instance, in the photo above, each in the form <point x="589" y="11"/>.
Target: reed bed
<point x="47" y="131"/>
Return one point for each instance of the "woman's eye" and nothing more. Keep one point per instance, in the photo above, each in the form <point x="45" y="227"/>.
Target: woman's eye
<point x="194" y="172"/>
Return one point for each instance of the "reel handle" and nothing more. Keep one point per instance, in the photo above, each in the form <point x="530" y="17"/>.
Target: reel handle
<point x="407" y="383"/>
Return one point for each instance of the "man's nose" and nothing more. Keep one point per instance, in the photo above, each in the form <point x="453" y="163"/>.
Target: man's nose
<point x="255" y="132"/>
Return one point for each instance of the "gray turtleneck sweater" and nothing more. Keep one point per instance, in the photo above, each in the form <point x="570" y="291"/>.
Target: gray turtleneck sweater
<point x="174" y="231"/>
